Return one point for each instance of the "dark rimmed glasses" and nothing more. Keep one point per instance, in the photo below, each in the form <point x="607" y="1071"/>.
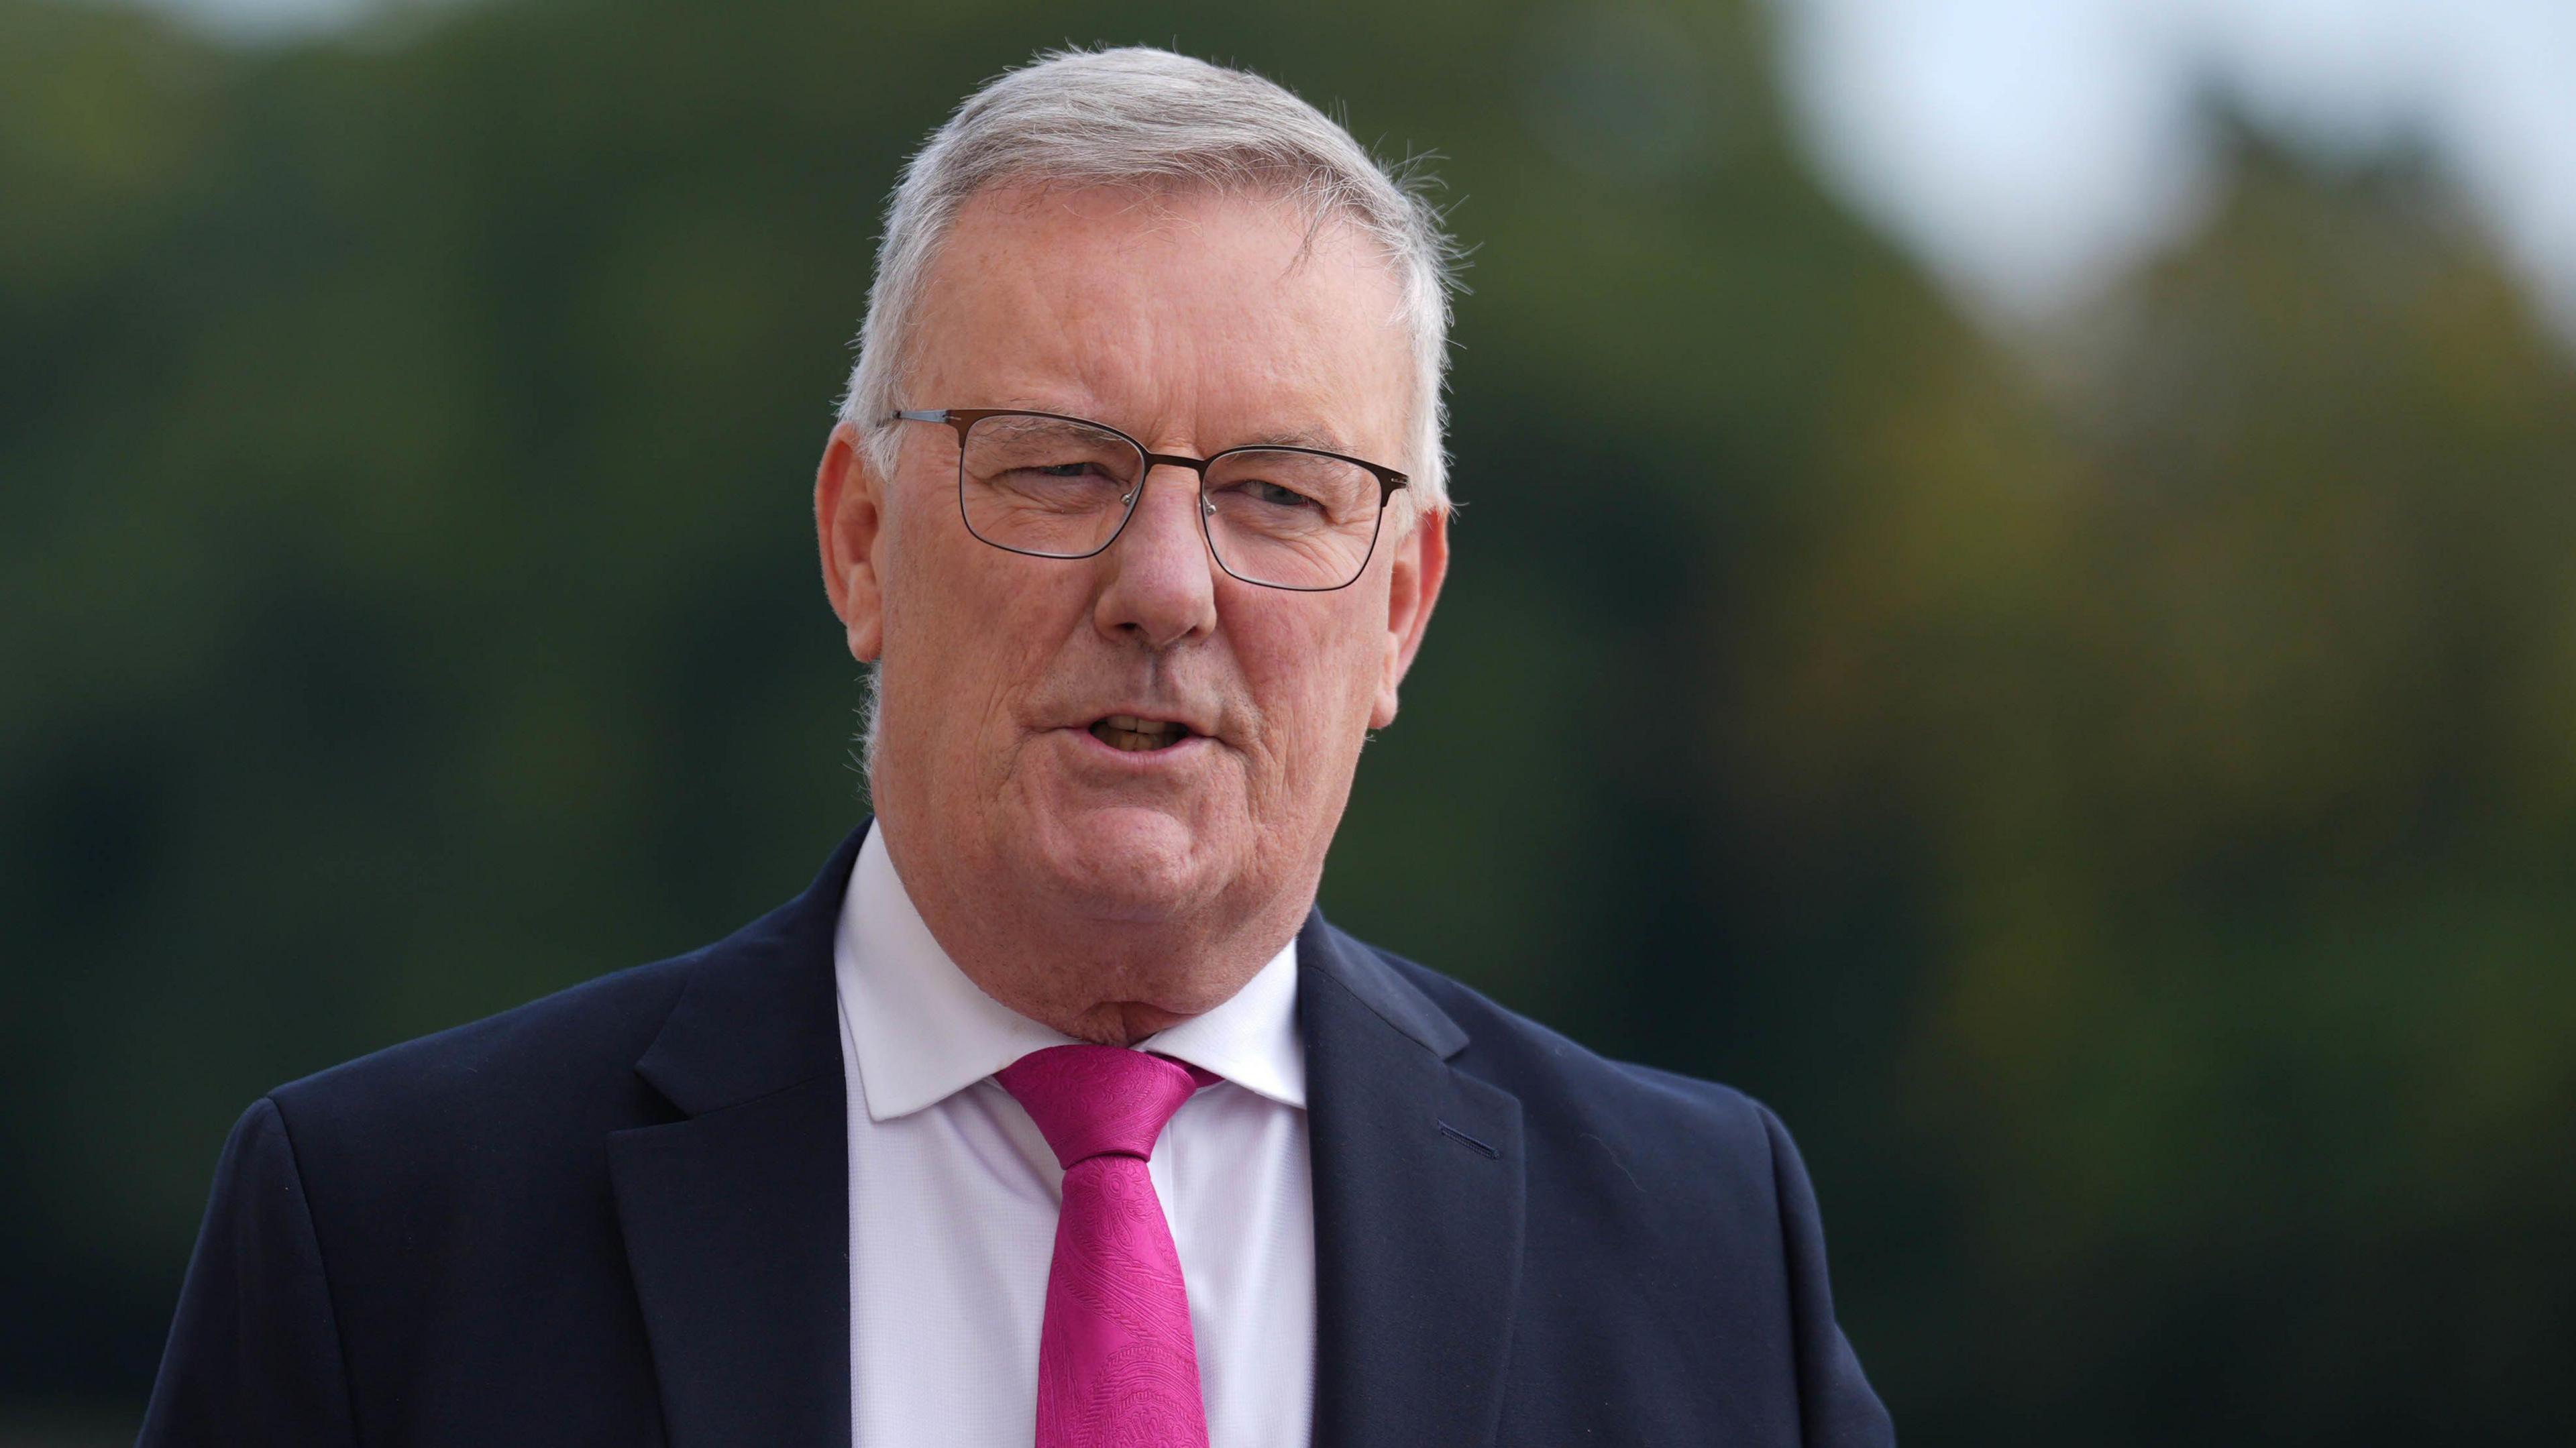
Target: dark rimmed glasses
<point x="1052" y="486"/>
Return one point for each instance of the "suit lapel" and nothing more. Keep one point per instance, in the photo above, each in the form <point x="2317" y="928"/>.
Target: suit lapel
<point x="736" y="1217"/>
<point x="1418" y="1209"/>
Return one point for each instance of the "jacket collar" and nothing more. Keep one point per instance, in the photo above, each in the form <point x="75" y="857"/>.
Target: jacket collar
<point x="736" y="1216"/>
<point x="757" y="1014"/>
<point x="1418" y="1209"/>
<point x="1395" y="1001"/>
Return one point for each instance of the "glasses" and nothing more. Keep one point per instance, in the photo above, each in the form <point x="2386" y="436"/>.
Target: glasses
<point x="1052" y="486"/>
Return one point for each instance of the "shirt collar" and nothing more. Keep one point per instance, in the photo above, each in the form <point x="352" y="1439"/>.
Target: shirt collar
<point x="923" y="1032"/>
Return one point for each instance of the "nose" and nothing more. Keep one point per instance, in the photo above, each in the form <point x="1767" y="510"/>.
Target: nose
<point x="1161" y="587"/>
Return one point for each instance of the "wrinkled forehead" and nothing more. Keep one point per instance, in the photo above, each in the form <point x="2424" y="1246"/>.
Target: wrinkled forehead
<point x="1195" y="314"/>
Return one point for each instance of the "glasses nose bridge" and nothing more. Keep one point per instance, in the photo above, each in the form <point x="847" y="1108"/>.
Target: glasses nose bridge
<point x="1153" y="460"/>
<point x="1200" y="507"/>
<point x="1197" y="467"/>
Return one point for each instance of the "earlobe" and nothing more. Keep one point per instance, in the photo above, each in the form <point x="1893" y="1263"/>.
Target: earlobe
<point x="864" y="634"/>
<point x="1382" y="713"/>
<point x="848" y="525"/>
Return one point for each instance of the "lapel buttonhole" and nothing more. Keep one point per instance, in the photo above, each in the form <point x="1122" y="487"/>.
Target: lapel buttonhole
<point x="1470" y="1142"/>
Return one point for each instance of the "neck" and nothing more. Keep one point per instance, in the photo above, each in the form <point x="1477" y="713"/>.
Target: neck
<point x="1113" y="980"/>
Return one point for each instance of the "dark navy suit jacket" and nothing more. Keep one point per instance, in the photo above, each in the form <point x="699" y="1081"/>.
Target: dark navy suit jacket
<point x="618" y="1215"/>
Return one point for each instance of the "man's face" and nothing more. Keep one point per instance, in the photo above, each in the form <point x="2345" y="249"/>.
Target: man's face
<point x="1193" y="323"/>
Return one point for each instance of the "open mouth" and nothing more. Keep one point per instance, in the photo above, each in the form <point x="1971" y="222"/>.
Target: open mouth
<point x="1138" y="736"/>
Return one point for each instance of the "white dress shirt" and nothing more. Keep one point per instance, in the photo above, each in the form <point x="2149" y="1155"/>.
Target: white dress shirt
<point x="953" y="1195"/>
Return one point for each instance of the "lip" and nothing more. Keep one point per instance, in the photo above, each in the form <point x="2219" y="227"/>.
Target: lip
<point x="1140" y="761"/>
<point x="1199" y="728"/>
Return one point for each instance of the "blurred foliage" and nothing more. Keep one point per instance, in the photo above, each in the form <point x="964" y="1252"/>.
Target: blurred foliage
<point x="2117" y="799"/>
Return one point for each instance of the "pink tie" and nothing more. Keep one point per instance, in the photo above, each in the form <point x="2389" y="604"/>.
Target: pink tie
<point x="1116" y="1363"/>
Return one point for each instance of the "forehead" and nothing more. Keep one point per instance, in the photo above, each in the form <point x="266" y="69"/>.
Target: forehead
<point x="1196" y="316"/>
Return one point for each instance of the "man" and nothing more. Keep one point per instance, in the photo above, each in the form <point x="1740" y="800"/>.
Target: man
<point x="1052" y="1111"/>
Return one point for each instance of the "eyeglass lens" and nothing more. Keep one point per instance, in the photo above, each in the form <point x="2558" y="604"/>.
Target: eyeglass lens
<point x="1060" y="489"/>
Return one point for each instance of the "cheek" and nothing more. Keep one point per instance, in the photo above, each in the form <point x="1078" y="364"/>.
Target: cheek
<point x="1314" y="678"/>
<point x="949" y="627"/>
<point x="979" y="631"/>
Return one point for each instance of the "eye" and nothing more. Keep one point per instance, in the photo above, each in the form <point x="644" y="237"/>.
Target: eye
<point x="1060" y="470"/>
<point x="1261" y="490"/>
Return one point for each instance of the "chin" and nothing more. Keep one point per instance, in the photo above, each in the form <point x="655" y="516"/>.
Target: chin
<point x="1123" y="862"/>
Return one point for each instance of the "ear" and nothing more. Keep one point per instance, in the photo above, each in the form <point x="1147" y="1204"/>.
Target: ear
<point x="849" y="523"/>
<point x="1413" y="586"/>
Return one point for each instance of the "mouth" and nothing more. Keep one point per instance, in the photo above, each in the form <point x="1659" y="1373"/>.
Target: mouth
<point x="1138" y="736"/>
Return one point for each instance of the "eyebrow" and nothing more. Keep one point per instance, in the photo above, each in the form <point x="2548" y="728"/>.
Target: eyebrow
<point x="1306" y="437"/>
<point x="1297" y="437"/>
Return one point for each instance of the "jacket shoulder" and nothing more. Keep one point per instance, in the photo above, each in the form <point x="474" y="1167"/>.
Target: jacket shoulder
<point x="1631" y="1112"/>
<point x="1691" y="1197"/>
<point x="562" y="1063"/>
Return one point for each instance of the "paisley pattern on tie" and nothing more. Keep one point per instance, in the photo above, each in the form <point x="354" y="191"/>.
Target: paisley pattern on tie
<point x="1117" y="1366"/>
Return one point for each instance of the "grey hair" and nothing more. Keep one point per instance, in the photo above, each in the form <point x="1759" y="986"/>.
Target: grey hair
<point x="1142" y="117"/>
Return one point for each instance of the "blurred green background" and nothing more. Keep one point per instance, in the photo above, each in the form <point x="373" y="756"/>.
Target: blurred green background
<point x="2113" y="794"/>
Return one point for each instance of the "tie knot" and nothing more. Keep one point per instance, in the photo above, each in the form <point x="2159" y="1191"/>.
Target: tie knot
<point x="1099" y="1100"/>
